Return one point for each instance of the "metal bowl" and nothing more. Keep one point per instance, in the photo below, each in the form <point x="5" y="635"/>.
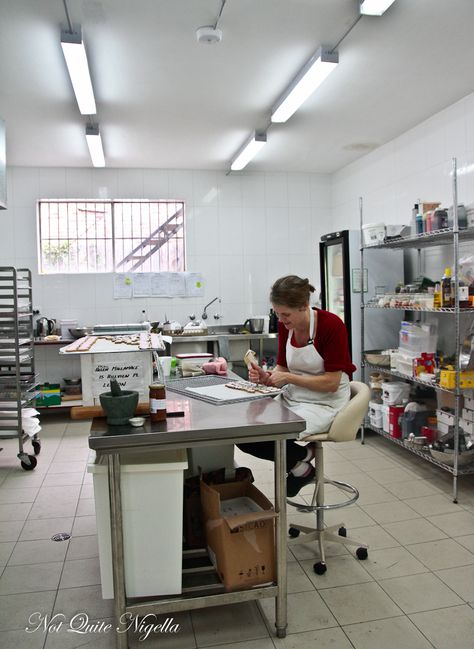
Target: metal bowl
<point x="464" y="457"/>
<point x="466" y="356"/>
<point x="375" y="357"/>
<point x="80" y="332"/>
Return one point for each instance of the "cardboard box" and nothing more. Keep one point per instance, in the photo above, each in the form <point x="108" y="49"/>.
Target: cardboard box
<point x="467" y="427"/>
<point x="445" y="417"/>
<point x="241" y="545"/>
<point x="467" y="414"/>
<point x="468" y="403"/>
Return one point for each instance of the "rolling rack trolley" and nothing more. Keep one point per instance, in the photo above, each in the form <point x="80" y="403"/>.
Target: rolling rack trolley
<point x="17" y="364"/>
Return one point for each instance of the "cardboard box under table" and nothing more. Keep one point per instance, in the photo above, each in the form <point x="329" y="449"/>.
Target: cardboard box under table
<point x="239" y="522"/>
<point x="152" y="509"/>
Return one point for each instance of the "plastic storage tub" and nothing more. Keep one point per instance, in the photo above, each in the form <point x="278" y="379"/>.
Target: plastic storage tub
<point x="375" y="414"/>
<point x="373" y="233"/>
<point x="152" y="510"/>
<point x="385" y="418"/>
<point x="415" y="338"/>
<point x="395" y="392"/>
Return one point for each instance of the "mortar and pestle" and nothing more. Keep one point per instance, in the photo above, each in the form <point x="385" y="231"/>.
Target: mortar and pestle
<point x="119" y="405"/>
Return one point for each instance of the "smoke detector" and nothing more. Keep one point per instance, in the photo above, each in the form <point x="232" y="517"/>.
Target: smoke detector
<point x="208" y="35"/>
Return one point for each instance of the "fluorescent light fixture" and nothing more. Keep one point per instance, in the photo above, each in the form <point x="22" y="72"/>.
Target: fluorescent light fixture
<point x="374" y="7"/>
<point x="78" y="68"/>
<point x="305" y="83"/>
<point x="94" y="142"/>
<point x="248" y="151"/>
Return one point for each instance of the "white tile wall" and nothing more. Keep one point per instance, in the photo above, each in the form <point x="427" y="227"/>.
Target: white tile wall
<point x="243" y="231"/>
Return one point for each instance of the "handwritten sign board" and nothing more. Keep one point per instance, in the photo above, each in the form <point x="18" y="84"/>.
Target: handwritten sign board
<point x="130" y="374"/>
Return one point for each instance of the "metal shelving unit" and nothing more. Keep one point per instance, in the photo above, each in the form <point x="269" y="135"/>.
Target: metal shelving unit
<point x="449" y="236"/>
<point x="17" y="364"/>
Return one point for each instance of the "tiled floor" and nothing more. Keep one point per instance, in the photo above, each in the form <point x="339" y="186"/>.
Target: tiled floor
<point x="415" y="591"/>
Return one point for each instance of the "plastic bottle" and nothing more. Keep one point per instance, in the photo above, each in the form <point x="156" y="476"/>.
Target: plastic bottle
<point x="419" y="223"/>
<point x="446" y="289"/>
<point x="414" y="213"/>
<point x="437" y="298"/>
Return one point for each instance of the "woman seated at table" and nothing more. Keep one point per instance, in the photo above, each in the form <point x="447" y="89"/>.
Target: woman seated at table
<point x="313" y="368"/>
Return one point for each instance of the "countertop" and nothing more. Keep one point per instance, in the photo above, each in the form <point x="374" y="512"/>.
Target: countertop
<point x="184" y="339"/>
<point x="203" y="423"/>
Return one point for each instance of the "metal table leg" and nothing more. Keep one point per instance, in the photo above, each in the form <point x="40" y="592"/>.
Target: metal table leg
<point x="113" y="463"/>
<point x="281" y="540"/>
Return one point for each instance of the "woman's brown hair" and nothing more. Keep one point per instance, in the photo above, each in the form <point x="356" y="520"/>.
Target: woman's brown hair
<point x="291" y="291"/>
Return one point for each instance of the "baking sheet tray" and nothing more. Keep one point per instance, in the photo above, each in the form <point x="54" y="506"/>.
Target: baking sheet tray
<point x="211" y="388"/>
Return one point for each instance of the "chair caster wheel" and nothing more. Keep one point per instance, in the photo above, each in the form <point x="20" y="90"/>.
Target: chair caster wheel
<point x="342" y="531"/>
<point x="36" y="447"/>
<point x="320" y="568"/>
<point x="362" y="553"/>
<point x="293" y="532"/>
<point x="29" y="463"/>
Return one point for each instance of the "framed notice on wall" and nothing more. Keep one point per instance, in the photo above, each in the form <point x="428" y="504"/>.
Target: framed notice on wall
<point x="3" y="167"/>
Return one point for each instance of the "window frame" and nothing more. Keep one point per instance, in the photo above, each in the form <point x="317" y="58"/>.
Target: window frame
<point x="158" y="236"/>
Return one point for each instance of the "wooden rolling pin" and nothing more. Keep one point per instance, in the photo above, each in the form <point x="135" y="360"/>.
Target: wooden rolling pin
<point x="89" y="412"/>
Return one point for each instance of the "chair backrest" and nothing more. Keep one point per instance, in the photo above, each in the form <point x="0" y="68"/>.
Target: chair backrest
<point x="347" y="421"/>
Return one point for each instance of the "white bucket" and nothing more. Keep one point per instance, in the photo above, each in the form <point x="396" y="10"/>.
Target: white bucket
<point x="385" y="418"/>
<point x="395" y="393"/>
<point x="373" y="233"/>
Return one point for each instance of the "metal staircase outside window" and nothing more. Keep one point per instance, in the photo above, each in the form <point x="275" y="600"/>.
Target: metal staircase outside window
<point x="105" y="236"/>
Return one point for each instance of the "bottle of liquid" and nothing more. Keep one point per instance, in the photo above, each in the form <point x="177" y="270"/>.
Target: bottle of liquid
<point x="414" y="213"/>
<point x="437" y="298"/>
<point x="447" y="289"/>
<point x="463" y="294"/>
<point x="419" y="223"/>
<point x="273" y="323"/>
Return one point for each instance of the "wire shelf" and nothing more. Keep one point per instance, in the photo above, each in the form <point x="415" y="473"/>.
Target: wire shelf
<point x="424" y="240"/>
<point x="425" y="454"/>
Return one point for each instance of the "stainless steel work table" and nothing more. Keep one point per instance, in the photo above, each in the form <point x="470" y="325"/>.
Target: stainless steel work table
<point x="203" y="424"/>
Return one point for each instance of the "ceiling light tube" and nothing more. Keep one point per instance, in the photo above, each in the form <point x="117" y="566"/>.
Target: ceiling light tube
<point x="94" y="142"/>
<point x="78" y="68"/>
<point x="313" y="73"/>
<point x="248" y="151"/>
<point x="374" y="7"/>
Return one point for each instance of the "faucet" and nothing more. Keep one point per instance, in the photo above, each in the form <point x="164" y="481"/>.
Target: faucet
<point x="204" y="313"/>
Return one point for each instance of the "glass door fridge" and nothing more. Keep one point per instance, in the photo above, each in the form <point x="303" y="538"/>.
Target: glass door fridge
<point x="335" y="276"/>
<point x="339" y="258"/>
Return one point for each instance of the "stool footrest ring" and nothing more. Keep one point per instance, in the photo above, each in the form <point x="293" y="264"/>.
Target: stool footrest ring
<point x="301" y="507"/>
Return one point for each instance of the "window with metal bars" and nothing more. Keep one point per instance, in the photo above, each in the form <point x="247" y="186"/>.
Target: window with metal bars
<point x="100" y="236"/>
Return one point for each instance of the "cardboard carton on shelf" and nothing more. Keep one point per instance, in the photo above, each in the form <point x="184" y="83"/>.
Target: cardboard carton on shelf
<point x="240" y="535"/>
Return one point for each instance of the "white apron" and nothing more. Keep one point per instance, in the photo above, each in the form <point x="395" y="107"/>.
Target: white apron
<point x="317" y="408"/>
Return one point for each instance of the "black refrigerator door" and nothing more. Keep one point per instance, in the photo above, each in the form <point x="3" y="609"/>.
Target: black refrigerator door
<point x="335" y="277"/>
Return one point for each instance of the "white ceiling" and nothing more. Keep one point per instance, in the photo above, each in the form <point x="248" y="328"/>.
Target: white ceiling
<point x="166" y="101"/>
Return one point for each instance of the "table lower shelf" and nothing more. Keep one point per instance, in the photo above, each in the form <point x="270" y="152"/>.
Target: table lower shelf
<point x="467" y="470"/>
<point x="201" y="588"/>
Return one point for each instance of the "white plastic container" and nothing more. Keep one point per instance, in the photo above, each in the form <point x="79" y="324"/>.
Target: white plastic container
<point x="64" y="326"/>
<point x="415" y="338"/>
<point x="373" y="233"/>
<point x="375" y="414"/>
<point x="152" y="510"/>
<point x="395" y="393"/>
<point x="385" y="418"/>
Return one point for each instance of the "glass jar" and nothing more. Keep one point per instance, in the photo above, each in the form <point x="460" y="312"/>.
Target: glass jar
<point x="157" y="402"/>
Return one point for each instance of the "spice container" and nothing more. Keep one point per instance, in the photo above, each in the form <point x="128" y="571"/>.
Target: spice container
<point x="157" y="402"/>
